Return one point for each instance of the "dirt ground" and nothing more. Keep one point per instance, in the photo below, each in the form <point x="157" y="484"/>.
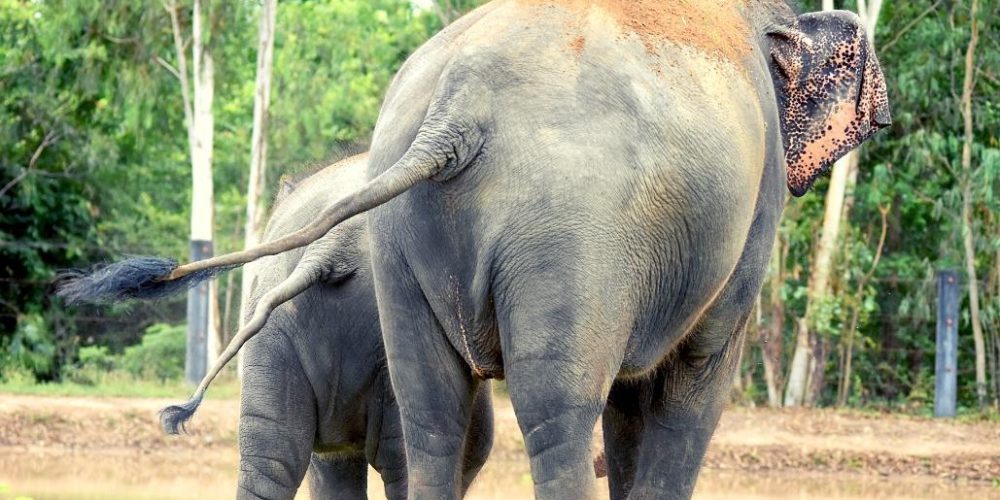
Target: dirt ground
<point x="74" y="448"/>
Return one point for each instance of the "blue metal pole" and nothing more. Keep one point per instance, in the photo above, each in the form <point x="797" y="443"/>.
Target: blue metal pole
<point x="946" y="355"/>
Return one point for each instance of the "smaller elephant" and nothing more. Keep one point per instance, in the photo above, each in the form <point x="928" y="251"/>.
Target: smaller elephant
<point x="315" y="389"/>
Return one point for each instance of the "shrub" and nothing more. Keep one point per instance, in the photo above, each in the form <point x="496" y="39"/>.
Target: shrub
<point x="16" y="375"/>
<point x="93" y="363"/>
<point x="30" y="350"/>
<point x="160" y="355"/>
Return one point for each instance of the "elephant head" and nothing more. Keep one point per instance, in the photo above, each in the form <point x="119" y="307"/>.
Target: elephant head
<point x="830" y="89"/>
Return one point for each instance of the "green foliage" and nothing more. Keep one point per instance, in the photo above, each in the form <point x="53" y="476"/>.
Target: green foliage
<point x="156" y="364"/>
<point x="913" y="167"/>
<point x="160" y="355"/>
<point x="93" y="365"/>
<point x="30" y="350"/>
<point x="92" y="136"/>
<point x="336" y="58"/>
<point x="94" y="165"/>
<point x="916" y="166"/>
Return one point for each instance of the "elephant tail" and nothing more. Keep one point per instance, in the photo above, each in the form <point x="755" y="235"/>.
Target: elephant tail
<point x="305" y="274"/>
<point x="173" y="418"/>
<point x="420" y="162"/>
<point x="151" y="277"/>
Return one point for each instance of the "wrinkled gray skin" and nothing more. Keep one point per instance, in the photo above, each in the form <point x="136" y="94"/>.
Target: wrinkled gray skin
<point x="580" y="196"/>
<point x="592" y="224"/>
<point x="316" y="390"/>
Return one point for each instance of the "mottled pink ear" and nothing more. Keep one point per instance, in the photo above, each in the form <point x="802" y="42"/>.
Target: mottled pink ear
<point x="831" y="92"/>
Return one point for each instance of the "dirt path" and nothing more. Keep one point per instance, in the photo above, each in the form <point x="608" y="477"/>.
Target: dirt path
<point x="95" y="447"/>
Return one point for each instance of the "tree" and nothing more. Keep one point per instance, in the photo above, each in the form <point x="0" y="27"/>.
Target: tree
<point x="75" y="94"/>
<point x="114" y="178"/>
<point x="968" y="87"/>
<point x="772" y="346"/>
<point x="202" y="309"/>
<point x="258" y="147"/>
<point x="809" y="358"/>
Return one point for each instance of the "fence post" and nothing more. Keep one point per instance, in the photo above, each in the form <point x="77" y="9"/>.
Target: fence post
<point x="946" y="354"/>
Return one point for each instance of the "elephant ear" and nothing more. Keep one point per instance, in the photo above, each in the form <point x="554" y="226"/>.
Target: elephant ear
<point x="830" y="89"/>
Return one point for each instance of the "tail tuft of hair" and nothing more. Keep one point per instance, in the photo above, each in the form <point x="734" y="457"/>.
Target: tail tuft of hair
<point x="173" y="418"/>
<point x="136" y="278"/>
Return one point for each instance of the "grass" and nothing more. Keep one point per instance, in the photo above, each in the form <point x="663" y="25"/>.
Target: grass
<point x="877" y="409"/>
<point x="120" y="385"/>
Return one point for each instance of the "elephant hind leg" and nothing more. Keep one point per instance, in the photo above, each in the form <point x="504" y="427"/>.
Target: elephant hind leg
<point x="623" y="428"/>
<point x="434" y="387"/>
<point x="687" y="398"/>
<point x="557" y="421"/>
<point x="338" y="477"/>
<point x="277" y="419"/>
<point x="560" y="360"/>
<point x="479" y="438"/>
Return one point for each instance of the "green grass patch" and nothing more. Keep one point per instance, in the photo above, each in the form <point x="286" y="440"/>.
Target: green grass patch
<point x="120" y="385"/>
<point x="153" y="368"/>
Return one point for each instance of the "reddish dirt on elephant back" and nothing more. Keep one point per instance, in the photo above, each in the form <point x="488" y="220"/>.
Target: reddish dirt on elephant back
<point x="714" y="27"/>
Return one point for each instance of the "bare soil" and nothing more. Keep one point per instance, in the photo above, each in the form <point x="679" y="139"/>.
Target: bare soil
<point x="90" y="448"/>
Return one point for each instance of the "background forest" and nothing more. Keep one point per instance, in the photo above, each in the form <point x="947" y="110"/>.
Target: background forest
<point x="95" y="165"/>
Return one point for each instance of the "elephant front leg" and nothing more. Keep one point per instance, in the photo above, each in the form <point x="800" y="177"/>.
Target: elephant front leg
<point x="338" y="477"/>
<point x="686" y="400"/>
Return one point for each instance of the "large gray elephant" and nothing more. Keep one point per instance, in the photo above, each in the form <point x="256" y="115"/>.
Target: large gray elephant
<point x="581" y="196"/>
<point x="315" y="388"/>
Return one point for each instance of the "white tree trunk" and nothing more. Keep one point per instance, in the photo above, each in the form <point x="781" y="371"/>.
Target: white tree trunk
<point x="203" y="339"/>
<point x="202" y="187"/>
<point x="819" y="279"/>
<point x="258" y="148"/>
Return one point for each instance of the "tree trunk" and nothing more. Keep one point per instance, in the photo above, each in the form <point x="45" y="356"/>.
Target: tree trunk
<point x="227" y="309"/>
<point x="967" y="215"/>
<point x="202" y="337"/>
<point x="844" y="389"/>
<point x="258" y="151"/>
<point x="771" y="346"/>
<point x="202" y="191"/>
<point x="258" y="146"/>
<point x="995" y="331"/>
<point x="803" y="362"/>
<point x="445" y="11"/>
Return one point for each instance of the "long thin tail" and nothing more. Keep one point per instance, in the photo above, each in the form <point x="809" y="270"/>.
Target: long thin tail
<point x="149" y="277"/>
<point x="172" y="418"/>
